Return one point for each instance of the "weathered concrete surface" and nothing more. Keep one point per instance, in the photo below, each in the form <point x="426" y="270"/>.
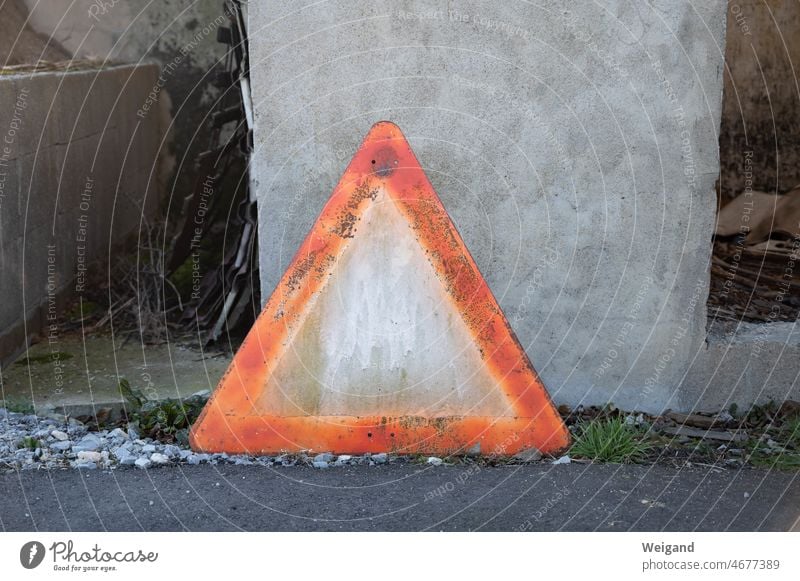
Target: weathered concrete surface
<point x="19" y="43"/>
<point x="760" y="132"/>
<point x="179" y="35"/>
<point x="747" y="363"/>
<point x="78" y="173"/>
<point x="400" y="498"/>
<point x="575" y="149"/>
<point x="84" y="374"/>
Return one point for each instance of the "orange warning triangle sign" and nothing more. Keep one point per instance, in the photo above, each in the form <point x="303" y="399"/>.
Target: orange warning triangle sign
<point x="382" y="335"/>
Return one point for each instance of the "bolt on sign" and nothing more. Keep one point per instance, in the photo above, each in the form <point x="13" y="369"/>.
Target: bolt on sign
<point x="382" y="335"/>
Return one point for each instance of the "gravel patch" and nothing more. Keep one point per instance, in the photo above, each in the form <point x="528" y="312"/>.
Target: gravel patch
<point x="29" y="442"/>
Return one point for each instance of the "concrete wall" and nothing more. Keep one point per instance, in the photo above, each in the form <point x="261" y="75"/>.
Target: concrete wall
<point x="78" y="172"/>
<point x="19" y="43"/>
<point x="760" y="134"/>
<point x="574" y="145"/>
<point x="179" y="35"/>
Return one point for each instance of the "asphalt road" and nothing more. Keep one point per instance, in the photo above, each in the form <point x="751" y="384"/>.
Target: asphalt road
<point x="400" y="497"/>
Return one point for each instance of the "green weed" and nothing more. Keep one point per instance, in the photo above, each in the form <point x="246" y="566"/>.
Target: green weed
<point x="609" y="440"/>
<point x="781" y="460"/>
<point x="19" y="406"/>
<point x="165" y="420"/>
<point x="790" y="431"/>
<point x="29" y="443"/>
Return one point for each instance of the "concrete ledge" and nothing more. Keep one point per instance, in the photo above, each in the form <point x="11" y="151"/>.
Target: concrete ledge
<point x="78" y="171"/>
<point x="82" y="377"/>
<point x="752" y="363"/>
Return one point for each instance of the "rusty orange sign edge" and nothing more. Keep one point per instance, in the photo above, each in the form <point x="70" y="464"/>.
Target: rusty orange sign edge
<point x="230" y="421"/>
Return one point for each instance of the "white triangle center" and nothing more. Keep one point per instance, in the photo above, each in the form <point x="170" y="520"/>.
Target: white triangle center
<point x="382" y="337"/>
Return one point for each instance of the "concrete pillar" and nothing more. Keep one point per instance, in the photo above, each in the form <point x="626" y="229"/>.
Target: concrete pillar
<point x="574" y="146"/>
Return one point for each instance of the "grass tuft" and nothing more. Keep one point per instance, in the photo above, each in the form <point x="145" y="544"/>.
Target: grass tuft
<point x="780" y="461"/>
<point x="165" y="420"/>
<point x="16" y="405"/>
<point x="28" y="443"/>
<point x="791" y="431"/>
<point x="609" y="440"/>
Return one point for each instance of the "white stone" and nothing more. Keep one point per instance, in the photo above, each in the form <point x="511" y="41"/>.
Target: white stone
<point x="89" y="443"/>
<point x="160" y="459"/>
<point x="118" y="433"/>
<point x="172" y="451"/>
<point x="724" y="416"/>
<point x="120" y="452"/>
<point x="90" y="456"/>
